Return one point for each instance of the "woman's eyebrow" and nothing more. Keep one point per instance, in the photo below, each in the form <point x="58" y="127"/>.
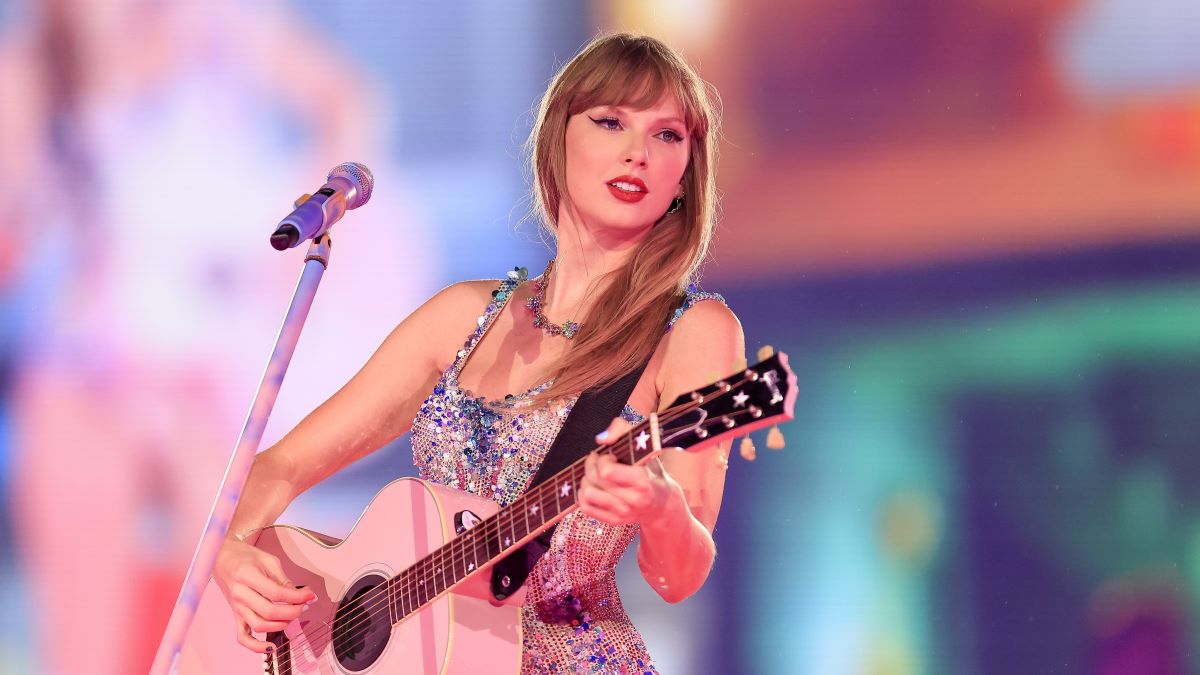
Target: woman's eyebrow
<point x="625" y="109"/>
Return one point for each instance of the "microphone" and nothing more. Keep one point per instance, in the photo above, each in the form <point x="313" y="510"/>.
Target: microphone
<point x="348" y="186"/>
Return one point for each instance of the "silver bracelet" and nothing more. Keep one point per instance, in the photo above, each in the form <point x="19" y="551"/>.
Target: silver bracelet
<point x="246" y="534"/>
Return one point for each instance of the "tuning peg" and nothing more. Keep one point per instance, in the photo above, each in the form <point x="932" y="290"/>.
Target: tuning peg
<point x="765" y="352"/>
<point x="301" y="199"/>
<point x="775" y="438"/>
<point x="746" y="449"/>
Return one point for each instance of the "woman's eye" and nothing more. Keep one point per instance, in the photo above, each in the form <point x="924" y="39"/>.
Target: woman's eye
<point x="610" y="123"/>
<point x="670" y="136"/>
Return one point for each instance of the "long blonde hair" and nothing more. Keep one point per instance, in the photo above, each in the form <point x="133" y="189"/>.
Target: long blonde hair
<point x="626" y="322"/>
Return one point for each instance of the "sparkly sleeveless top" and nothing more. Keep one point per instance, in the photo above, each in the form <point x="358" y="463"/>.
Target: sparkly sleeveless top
<point x="572" y="620"/>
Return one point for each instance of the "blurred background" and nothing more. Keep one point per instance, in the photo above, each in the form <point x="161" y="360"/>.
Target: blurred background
<point x="974" y="225"/>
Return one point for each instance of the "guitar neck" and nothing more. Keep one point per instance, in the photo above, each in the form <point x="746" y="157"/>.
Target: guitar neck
<point x="736" y="405"/>
<point x="492" y="539"/>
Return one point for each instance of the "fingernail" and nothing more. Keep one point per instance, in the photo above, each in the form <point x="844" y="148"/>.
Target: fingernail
<point x="312" y="601"/>
<point x="271" y="649"/>
<point x="305" y="607"/>
<point x="602" y="436"/>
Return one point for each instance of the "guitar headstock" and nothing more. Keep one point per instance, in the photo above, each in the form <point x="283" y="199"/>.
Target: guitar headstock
<point x="760" y="395"/>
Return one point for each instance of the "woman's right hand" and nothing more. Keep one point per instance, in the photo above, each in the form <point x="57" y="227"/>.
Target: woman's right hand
<point x="262" y="597"/>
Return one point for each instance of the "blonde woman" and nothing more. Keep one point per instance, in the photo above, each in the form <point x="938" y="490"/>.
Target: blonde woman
<point x="623" y="154"/>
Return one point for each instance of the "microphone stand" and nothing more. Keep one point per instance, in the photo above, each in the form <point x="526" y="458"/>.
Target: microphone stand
<point x="203" y="560"/>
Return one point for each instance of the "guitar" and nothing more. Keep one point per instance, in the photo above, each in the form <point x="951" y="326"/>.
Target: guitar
<point x="409" y="590"/>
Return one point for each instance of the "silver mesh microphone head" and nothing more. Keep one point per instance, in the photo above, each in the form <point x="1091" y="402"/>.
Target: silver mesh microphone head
<point x="358" y="174"/>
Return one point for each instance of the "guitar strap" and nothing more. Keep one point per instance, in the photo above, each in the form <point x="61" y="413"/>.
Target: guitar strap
<point x="591" y="414"/>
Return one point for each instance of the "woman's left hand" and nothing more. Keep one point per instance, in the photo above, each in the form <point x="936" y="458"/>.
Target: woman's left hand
<point x="619" y="494"/>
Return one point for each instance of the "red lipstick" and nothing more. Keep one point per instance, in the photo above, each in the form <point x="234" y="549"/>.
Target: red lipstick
<point x="631" y="189"/>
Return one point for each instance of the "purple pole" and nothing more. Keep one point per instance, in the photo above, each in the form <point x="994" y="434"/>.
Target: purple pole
<point x="199" y="572"/>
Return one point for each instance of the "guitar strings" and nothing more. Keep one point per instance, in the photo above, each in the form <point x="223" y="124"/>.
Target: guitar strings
<point x="359" y="622"/>
<point x="353" y="630"/>
<point x="361" y="615"/>
<point x="357" y="630"/>
<point x="379" y="596"/>
<point x="358" y="627"/>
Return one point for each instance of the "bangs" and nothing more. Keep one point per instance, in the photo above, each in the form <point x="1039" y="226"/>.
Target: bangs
<point x="637" y="80"/>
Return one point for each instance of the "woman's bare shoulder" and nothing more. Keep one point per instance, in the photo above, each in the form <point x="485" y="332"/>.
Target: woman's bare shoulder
<point x="461" y="300"/>
<point x="706" y="322"/>
<point x="706" y="342"/>
<point x="442" y="322"/>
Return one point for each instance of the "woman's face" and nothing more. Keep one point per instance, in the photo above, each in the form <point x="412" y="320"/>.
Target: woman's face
<point x="624" y="166"/>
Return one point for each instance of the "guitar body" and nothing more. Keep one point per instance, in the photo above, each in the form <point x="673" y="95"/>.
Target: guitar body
<point x="463" y="631"/>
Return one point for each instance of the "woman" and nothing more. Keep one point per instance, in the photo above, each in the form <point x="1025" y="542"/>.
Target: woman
<point x="623" y="152"/>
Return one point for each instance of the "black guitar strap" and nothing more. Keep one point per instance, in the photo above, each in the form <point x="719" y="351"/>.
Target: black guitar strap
<point x="591" y="414"/>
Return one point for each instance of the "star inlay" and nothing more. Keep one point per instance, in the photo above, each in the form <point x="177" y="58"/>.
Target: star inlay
<point x="641" y="439"/>
<point x="507" y="542"/>
<point x="740" y="398"/>
<point x="533" y="509"/>
<point x="566" y="490"/>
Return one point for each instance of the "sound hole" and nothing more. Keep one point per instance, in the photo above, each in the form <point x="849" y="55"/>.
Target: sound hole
<point x="362" y="625"/>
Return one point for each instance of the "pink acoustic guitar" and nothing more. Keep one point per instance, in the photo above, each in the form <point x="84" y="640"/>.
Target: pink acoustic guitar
<point x="409" y="590"/>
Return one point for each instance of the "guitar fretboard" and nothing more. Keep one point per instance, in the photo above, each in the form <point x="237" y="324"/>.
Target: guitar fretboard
<point x="499" y="535"/>
<point x="740" y="401"/>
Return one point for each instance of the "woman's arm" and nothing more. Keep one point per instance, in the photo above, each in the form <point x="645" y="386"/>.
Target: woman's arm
<point x="676" y="502"/>
<point x="375" y="406"/>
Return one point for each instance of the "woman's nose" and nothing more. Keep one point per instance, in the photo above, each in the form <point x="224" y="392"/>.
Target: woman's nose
<point x="638" y="154"/>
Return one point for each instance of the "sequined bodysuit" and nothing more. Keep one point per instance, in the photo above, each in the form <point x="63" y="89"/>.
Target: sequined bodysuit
<point x="572" y="620"/>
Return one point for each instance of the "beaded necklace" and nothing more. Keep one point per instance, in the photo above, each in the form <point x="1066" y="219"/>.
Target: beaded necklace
<point x="568" y="329"/>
